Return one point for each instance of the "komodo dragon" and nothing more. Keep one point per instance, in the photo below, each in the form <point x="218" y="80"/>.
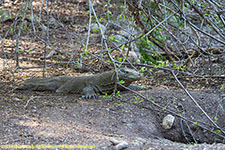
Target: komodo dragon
<point x="88" y="86"/>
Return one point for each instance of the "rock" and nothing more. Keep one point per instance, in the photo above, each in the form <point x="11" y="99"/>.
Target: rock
<point x="119" y="40"/>
<point x="95" y="28"/>
<point x="119" y="144"/>
<point x="141" y="140"/>
<point x="115" y="141"/>
<point x="168" y="121"/>
<point x="5" y="15"/>
<point x="134" y="54"/>
<point x="138" y="143"/>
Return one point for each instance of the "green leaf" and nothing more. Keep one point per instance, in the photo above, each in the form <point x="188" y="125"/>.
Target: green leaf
<point x="102" y="18"/>
<point x="196" y="122"/>
<point x="20" y="51"/>
<point x="109" y="12"/>
<point x="86" y="51"/>
<point x="186" y="5"/>
<point x="112" y="38"/>
<point x="122" y="81"/>
<point x="118" y="104"/>
<point x="217" y="131"/>
<point x="105" y="96"/>
<point x="167" y="63"/>
<point x="122" y="47"/>
<point x="122" y="6"/>
<point x="11" y="30"/>
<point x="143" y="69"/>
<point x="215" y="118"/>
<point x="118" y="93"/>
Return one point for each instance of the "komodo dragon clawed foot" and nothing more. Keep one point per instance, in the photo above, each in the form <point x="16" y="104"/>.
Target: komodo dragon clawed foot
<point x="89" y="93"/>
<point x="88" y="86"/>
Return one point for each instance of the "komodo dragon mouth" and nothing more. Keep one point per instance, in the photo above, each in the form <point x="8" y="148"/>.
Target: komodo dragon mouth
<point x="88" y="86"/>
<point x="129" y="74"/>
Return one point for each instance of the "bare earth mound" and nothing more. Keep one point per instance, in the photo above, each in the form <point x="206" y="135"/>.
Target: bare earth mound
<point x="40" y="118"/>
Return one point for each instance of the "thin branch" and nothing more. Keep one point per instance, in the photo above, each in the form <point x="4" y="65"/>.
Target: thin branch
<point x="196" y="103"/>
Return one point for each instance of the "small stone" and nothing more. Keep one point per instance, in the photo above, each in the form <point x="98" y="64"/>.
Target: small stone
<point x="115" y="141"/>
<point x="96" y="28"/>
<point x="141" y="140"/>
<point x="5" y="15"/>
<point x="119" y="144"/>
<point x="138" y="142"/>
<point x="168" y="121"/>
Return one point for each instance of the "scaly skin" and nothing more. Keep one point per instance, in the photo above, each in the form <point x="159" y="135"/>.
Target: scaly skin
<point x="88" y="86"/>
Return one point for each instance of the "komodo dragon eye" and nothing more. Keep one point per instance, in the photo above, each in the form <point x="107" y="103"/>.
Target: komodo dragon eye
<point x="127" y="71"/>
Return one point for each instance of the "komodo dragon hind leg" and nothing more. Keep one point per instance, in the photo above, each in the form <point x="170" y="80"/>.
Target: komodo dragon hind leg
<point x="89" y="92"/>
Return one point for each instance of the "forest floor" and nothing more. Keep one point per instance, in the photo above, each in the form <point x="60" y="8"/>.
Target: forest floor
<point x="34" y="118"/>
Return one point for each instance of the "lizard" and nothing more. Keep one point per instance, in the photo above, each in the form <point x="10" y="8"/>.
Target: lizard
<point x="88" y="86"/>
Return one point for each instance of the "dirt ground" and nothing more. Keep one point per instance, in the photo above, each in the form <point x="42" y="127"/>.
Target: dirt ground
<point x="33" y="118"/>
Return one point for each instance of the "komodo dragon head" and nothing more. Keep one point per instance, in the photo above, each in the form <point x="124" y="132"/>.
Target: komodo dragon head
<point x="128" y="75"/>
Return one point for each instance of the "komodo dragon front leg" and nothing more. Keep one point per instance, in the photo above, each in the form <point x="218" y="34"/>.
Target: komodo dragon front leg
<point x="87" y="92"/>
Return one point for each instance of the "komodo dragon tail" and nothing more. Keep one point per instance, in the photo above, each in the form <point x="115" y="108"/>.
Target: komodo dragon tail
<point x="48" y="84"/>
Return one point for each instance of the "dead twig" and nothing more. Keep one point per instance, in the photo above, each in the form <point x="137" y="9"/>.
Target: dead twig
<point x="25" y="106"/>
